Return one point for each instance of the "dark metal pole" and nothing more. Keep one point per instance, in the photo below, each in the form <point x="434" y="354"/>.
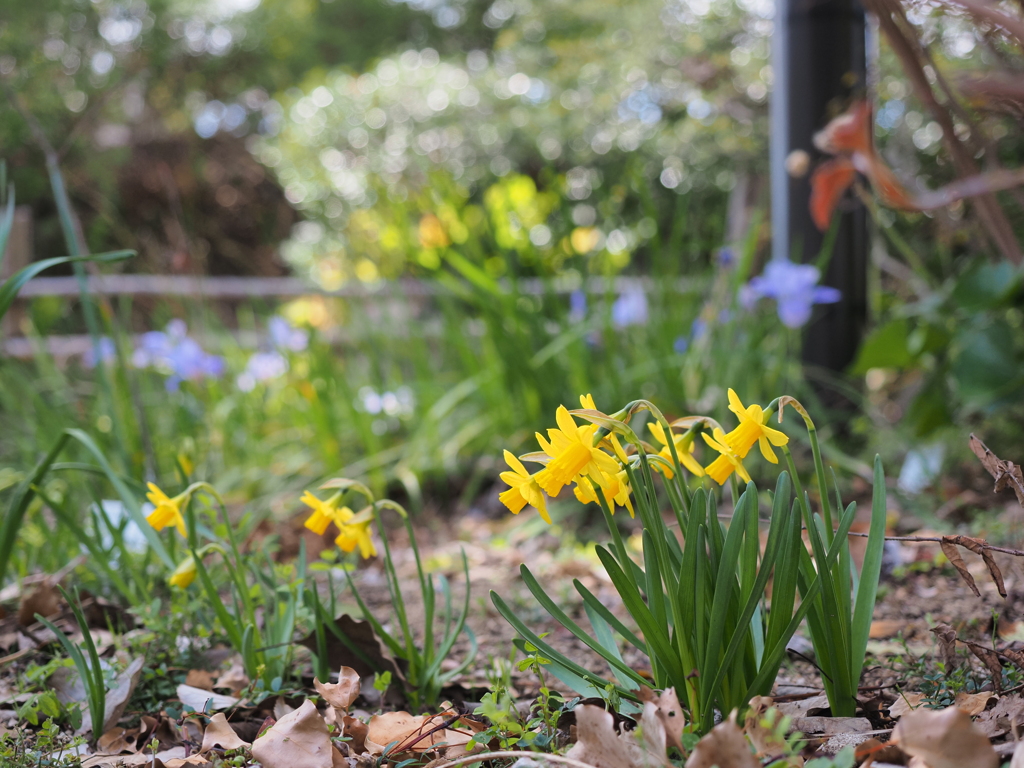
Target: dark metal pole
<point x="819" y="63"/>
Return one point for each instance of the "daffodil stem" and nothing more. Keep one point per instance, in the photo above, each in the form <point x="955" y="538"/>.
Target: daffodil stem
<point x="613" y="528"/>
<point x="819" y="471"/>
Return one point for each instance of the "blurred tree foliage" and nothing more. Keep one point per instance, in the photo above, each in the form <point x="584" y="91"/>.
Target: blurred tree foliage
<point x="105" y="76"/>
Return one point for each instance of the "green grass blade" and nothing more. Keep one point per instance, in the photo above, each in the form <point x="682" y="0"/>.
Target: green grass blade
<point x="615" y="660"/>
<point x="129" y="499"/>
<point x="658" y="643"/>
<point x="20" y="500"/>
<point x="868" y="586"/>
<point x="546" y="650"/>
<point x="589" y="599"/>
<point x="9" y="289"/>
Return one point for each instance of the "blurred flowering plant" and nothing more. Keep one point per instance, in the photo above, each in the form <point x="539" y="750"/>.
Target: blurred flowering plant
<point x="174" y="353"/>
<point x="794" y="288"/>
<point x="700" y="604"/>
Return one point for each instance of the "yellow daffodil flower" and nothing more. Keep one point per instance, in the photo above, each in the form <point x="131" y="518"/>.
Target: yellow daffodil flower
<point x="617" y="492"/>
<point x="350" y="535"/>
<point x="573" y="453"/>
<point x="184" y="574"/>
<point x="358" y="535"/>
<point x="523" y="489"/>
<point x="324" y="512"/>
<point x="587" y="401"/>
<point x="167" y="512"/>
<point x="684" y="448"/>
<point x="752" y="429"/>
<point x="729" y="462"/>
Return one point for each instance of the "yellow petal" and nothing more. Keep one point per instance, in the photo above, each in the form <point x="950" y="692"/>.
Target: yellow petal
<point x="513" y="499"/>
<point x="565" y="421"/>
<point x="714" y="443"/>
<point x="775" y="436"/>
<point x="766" y="450"/>
<point x="587" y="401"/>
<point x="658" y="431"/>
<point x="516" y="464"/>
<point x="691" y="464"/>
<point x="735" y="404"/>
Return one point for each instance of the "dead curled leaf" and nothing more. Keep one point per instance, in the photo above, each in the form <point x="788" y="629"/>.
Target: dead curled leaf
<point x="219" y="733"/>
<point x="725" y="747"/>
<point x="907" y="702"/>
<point x="978" y="547"/>
<point x="991" y="661"/>
<point x="600" y="745"/>
<point x="943" y="739"/>
<point x="1005" y="473"/>
<point x="300" y="739"/>
<point x="973" y="703"/>
<point x="202" y="701"/>
<point x="340" y="695"/>
<point x="400" y="734"/>
<point x="945" y="636"/>
<point x="669" y="712"/>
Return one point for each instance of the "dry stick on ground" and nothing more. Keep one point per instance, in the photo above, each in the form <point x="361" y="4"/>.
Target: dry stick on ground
<point x="900" y="34"/>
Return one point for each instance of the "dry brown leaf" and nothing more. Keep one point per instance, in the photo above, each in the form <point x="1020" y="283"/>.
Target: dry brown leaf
<point x="200" y="678"/>
<point x="973" y="703"/>
<point x="764" y="739"/>
<point x="1017" y="761"/>
<point x="1005" y="473"/>
<point x="953" y="555"/>
<point x="725" y="747"/>
<point x="944" y="739"/>
<point x="118" y="740"/>
<point x="979" y="547"/>
<point x="883" y="628"/>
<point x="413" y="734"/>
<point x="219" y="733"/>
<point x="233" y="678"/>
<point x="991" y="660"/>
<point x="298" y="740"/>
<point x="192" y="760"/>
<point x="117" y="698"/>
<point x="356" y="730"/>
<point x="341" y="694"/>
<point x="812" y="705"/>
<point x="669" y="712"/>
<point x="907" y="702"/>
<point x="600" y="745"/>
<point x="197" y="698"/>
<point x="43" y="599"/>
<point x="282" y="708"/>
<point x="945" y="636"/>
<point x="360" y="634"/>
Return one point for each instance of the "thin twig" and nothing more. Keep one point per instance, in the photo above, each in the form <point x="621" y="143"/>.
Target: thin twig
<point x="939" y="539"/>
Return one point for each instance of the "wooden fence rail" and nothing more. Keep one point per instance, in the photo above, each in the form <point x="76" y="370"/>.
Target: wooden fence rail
<point x="241" y="288"/>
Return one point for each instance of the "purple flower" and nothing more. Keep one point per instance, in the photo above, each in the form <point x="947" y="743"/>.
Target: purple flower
<point x="173" y="352"/>
<point x="262" y="366"/>
<point x="794" y="287"/>
<point x="106" y="349"/>
<point x="630" y="308"/>
<point x="577" y="306"/>
<point x="284" y="335"/>
<point x="680" y="345"/>
<point x="725" y="257"/>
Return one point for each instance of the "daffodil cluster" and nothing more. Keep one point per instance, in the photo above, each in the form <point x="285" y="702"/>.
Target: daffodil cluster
<point x="353" y="529"/>
<point x="574" y="454"/>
